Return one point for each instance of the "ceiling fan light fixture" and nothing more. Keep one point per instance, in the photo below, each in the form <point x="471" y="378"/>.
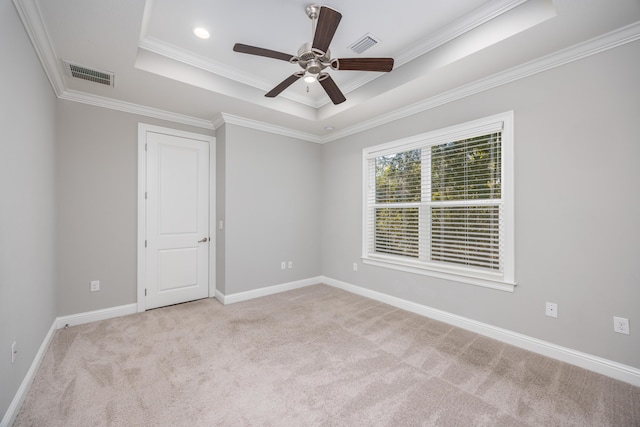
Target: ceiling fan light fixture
<point x="310" y="78"/>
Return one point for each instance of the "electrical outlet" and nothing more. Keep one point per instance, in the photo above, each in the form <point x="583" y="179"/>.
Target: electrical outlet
<point x="95" y="285"/>
<point x="14" y="352"/>
<point x="290" y="264"/>
<point x="283" y="265"/>
<point x="621" y="325"/>
<point x="355" y="266"/>
<point x="552" y="309"/>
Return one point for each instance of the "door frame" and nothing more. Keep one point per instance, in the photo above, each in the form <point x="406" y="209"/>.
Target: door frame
<point x="143" y="129"/>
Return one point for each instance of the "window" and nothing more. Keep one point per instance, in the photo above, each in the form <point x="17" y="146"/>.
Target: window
<point x="441" y="203"/>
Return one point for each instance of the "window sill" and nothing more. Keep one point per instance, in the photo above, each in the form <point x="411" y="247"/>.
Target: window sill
<point x="394" y="264"/>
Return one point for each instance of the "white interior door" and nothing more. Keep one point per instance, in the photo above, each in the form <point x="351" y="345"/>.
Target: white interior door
<point x="177" y="219"/>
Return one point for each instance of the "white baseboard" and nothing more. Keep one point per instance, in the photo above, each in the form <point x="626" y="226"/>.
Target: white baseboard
<point x="94" y="316"/>
<point x="219" y="296"/>
<point x="12" y="412"/>
<point x="597" y="364"/>
<point x="261" y="292"/>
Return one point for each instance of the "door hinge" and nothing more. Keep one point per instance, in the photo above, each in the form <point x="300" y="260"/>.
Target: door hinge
<point x="145" y="292"/>
<point x="145" y="243"/>
<point x="145" y="195"/>
<point x="145" y="147"/>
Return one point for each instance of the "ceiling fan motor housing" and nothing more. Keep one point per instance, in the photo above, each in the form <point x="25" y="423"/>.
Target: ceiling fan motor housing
<point x="310" y="61"/>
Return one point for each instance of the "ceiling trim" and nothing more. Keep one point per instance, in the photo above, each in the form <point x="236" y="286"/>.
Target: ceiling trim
<point x="224" y="118"/>
<point x="128" y="107"/>
<point x="155" y="45"/>
<point x="32" y="21"/>
<point x="582" y="50"/>
<point x="463" y="25"/>
<point x="459" y="27"/>
<point x="613" y="39"/>
<point x="436" y="39"/>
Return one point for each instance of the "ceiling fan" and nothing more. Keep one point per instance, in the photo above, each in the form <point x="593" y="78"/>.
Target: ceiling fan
<point x="313" y="57"/>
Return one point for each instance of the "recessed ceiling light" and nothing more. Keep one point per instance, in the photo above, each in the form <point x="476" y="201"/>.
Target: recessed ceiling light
<point x="201" y="32"/>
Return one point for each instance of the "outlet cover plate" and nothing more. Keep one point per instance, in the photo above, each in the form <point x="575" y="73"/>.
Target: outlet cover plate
<point x="95" y="285"/>
<point x="621" y="325"/>
<point x="552" y="309"/>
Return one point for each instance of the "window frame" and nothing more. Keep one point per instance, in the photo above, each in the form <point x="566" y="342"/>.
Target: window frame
<point x="504" y="280"/>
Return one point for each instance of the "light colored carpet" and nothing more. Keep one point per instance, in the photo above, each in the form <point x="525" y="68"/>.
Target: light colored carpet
<point x="312" y="356"/>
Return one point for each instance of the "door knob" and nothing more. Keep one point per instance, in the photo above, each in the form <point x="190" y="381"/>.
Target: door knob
<point x="203" y="240"/>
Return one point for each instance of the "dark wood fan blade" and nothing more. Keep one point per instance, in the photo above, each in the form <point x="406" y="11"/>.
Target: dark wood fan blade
<point x="282" y="86"/>
<point x="365" y="64"/>
<point x="328" y="20"/>
<point x="252" y="50"/>
<point x="332" y="90"/>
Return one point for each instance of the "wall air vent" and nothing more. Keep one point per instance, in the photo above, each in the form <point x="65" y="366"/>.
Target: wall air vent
<point x="365" y="42"/>
<point x="91" y="74"/>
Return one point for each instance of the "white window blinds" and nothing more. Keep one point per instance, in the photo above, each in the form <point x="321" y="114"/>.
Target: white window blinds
<point x="463" y="198"/>
<point x="436" y="203"/>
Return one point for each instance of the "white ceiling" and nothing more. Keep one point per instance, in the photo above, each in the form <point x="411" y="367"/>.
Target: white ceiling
<point x="437" y="46"/>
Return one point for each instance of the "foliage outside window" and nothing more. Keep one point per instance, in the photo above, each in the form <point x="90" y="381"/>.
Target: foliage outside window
<point x="441" y="203"/>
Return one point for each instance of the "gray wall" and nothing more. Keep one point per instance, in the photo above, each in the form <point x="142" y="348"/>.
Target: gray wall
<point x="97" y="154"/>
<point x="268" y="195"/>
<point x="27" y="204"/>
<point x="271" y="209"/>
<point x="577" y="207"/>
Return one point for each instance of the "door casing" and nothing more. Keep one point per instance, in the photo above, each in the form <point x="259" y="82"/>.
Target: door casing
<point x="143" y="129"/>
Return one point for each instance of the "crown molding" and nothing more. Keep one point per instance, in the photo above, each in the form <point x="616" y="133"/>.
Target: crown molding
<point x="218" y="121"/>
<point x="594" y="46"/>
<point x="461" y="26"/>
<point x="32" y="20"/>
<point x="613" y="39"/>
<point x="159" y="47"/>
<point x="128" y="107"/>
<point x="224" y="118"/>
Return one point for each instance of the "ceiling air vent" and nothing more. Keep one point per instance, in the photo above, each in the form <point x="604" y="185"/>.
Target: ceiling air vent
<point x="364" y="43"/>
<point x="91" y="74"/>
